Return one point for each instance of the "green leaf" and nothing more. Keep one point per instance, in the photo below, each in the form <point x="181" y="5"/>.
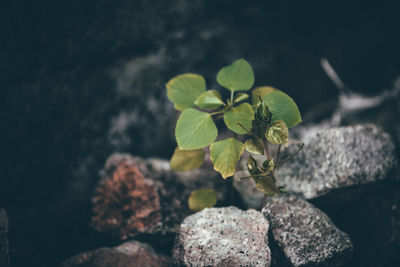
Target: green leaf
<point x="195" y="129"/>
<point x="202" y="198"/>
<point x="278" y="133"/>
<point x="242" y="114"/>
<point x="186" y="160"/>
<point x="183" y="90"/>
<point x="254" y="145"/>
<point x="209" y="100"/>
<point x="260" y="91"/>
<point x="240" y="97"/>
<point x="268" y="165"/>
<point x="225" y="154"/>
<point x="238" y="76"/>
<point x="267" y="185"/>
<point x="283" y="108"/>
<point x="263" y="115"/>
<point x="252" y="165"/>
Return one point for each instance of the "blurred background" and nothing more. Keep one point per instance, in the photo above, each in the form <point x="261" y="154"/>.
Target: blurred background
<point x="83" y="79"/>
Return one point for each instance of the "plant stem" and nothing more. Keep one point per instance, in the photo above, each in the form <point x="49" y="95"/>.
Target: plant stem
<point x="294" y="154"/>
<point x="232" y="97"/>
<point x="266" y="150"/>
<point x="277" y="155"/>
<point x="217" y="112"/>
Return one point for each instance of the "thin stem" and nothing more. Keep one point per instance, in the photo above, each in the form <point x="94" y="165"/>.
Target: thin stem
<point x="266" y="149"/>
<point x="217" y="112"/>
<point x="232" y="97"/>
<point x="294" y="154"/>
<point x="277" y="155"/>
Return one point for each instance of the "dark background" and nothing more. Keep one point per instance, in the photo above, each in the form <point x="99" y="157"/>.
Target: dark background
<point x="80" y="80"/>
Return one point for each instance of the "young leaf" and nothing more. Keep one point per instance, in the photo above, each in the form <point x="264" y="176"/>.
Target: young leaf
<point x="268" y="165"/>
<point x="252" y="166"/>
<point x="254" y="145"/>
<point x="238" y="76"/>
<point x="278" y="133"/>
<point x="240" y="97"/>
<point x="195" y="129"/>
<point x="209" y="100"/>
<point x="282" y="108"/>
<point x="242" y="114"/>
<point x="186" y="160"/>
<point x="260" y="91"/>
<point x="183" y="90"/>
<point x="202" y="198"/>
<point x="267" y="185"/>
<point x="225" y="154"/>
<point x="263" y="115"/>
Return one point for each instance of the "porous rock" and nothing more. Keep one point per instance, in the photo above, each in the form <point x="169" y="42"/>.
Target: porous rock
<point x="4" y="248"/>
<point x="138" y="195"/>
<point x="339" y="158"/>
<point x="126" y="203"/>
<point x="305" y="235"/>
<point x="128" y="254"/>
<point x="223" y="237"/>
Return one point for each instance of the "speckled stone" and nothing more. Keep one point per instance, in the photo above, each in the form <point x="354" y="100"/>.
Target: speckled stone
<point x="223" y="237"/>
<point x="305" y="234"/>
<point x="339" y="158"/>
<point x="128" y="254"/>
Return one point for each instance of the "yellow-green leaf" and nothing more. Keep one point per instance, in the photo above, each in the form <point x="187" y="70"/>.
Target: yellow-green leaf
<point x="209" y="100"/>
<point x="268" y="165"/>
<point x="238" y="76"/>
<point x="267" y="185"/>
<point x="240" y="97"/>
<point x="186" y="160"/>
<point x="283" y="108"/>
<point x="260" y="91"/>
<point x="195" y="129"/>
<point x="254" y="145"/>
<point x="242" y="114"/>
<point x="225" y="155"/>
<point x="183" y="89"/>
<point x="202" y="198"/>
<point x="278" y="133"/>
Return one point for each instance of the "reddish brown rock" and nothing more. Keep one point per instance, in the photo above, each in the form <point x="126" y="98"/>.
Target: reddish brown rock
<point x="128" y="254"/>
<point x="126" y="203"/>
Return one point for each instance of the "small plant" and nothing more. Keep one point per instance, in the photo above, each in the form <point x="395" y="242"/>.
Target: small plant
<point x="265" y="120"/>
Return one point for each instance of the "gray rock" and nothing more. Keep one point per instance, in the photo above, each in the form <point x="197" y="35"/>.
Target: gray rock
<point x="155" y="202"/>
<point x="129" y="254"/>
<point x="4" y="248"/>
<point x="340" y="158"/>
<point x="223" y="237"/>
<point x="305" y="234"/>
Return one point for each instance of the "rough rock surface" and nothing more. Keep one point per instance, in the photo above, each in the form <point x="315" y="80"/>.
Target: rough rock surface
<point x="126" y="203"/>
<point x="305" y="234"/>
<point x="340" y="158"/>
<point x="128" y="254"/>
<point x="223" y="237"/>
<point x="4" y="249"/>
<point x="145" y="196"/>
